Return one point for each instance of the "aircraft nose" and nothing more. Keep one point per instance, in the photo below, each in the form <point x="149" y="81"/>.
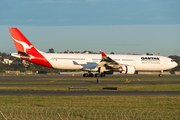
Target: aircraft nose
<point x="175" y="64"/>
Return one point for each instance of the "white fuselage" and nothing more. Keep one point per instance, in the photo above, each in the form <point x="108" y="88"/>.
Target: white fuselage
<point x="80" y="61"/>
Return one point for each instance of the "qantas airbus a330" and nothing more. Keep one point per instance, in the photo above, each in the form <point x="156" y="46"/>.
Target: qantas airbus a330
<point x="101" y="64"/>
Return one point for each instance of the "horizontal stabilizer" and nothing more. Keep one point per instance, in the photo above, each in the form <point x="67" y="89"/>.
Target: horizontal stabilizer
<point x="23" y="53"/>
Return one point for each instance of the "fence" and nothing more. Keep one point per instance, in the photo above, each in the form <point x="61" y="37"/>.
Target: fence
<point x="65" y="113"/>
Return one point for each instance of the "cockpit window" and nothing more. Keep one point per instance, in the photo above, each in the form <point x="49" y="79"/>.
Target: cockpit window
<point x="172" y="61"/>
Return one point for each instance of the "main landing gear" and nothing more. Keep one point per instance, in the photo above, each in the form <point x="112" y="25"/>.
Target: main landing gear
<point x="88" y="75"/>
<point x="96" y="75"/>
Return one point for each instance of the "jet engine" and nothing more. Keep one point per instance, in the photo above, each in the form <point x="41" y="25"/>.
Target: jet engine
<point x="127" y="69"/>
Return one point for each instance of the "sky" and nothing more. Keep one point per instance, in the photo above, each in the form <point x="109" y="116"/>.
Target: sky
<point x="120" y="26"/>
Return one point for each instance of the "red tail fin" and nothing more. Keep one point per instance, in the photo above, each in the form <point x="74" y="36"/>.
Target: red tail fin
<point x="20" y="41"/>
<point x="25" y="48"/>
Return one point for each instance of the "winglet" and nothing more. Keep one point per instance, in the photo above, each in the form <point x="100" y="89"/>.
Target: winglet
<point x="103" y="54"/>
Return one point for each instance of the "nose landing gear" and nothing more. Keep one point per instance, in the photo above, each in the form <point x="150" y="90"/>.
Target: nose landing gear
<point x="160" y="75"/>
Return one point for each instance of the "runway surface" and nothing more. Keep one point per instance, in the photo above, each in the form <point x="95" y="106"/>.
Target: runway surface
<point x="61" y="80"/>
<point x="90" y="93"/>
<point x="77" y="80"/>
<point x="93" y="82"/>
<point x="21" y="78"/>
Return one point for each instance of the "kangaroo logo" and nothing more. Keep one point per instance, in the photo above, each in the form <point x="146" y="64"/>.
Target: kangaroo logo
<point x="25" y="45"/>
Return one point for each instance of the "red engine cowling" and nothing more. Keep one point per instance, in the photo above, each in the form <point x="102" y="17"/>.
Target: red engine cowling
<point x="127" y="69"/>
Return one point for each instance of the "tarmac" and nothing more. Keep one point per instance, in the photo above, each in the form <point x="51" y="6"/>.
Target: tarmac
<point x="78" y="80"/>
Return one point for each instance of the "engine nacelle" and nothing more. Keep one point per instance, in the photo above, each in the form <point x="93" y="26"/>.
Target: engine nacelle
<point x="127" y="69"/>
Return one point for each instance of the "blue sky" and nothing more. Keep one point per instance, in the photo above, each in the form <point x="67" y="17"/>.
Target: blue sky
<point x="122" y="26"/>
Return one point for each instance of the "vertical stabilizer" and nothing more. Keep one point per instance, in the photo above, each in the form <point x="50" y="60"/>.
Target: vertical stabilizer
<point x="26" y="50"/>
<point x="20" y="41"/>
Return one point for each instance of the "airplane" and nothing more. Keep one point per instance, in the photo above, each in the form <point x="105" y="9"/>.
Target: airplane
<point x="101" y="64"/>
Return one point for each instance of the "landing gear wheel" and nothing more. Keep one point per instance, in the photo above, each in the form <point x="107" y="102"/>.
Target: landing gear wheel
<point x="91" y="75"/>
<point x="97" y="75"/>
<point x="85" y="75"/>
<point x="160" y="75"/>
<point x="103" y="75"/>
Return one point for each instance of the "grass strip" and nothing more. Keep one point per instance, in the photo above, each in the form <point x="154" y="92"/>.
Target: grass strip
<point x="157" y="103"/>
<point x="127" y="87"/>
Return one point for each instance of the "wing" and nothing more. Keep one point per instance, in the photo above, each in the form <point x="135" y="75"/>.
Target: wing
<point x="107" y="62"/>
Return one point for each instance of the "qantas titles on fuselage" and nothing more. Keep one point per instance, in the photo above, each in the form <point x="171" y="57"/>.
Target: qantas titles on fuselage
<point x="150" y="60"/>
<point x="101" y="64"/>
